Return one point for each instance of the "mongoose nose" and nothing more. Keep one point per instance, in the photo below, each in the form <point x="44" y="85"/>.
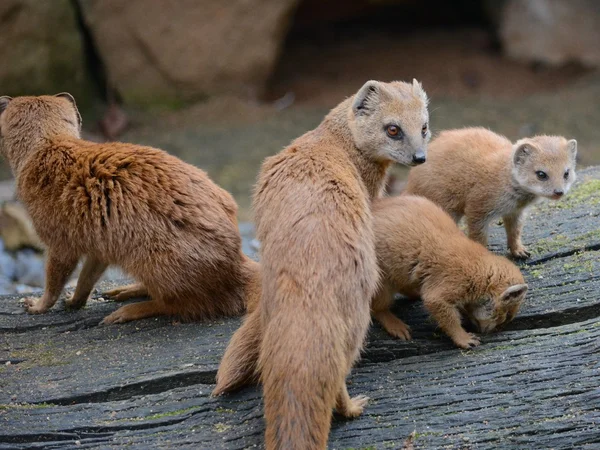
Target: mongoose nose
<point x="419" y="157"/>
<point x="558" y="193"/>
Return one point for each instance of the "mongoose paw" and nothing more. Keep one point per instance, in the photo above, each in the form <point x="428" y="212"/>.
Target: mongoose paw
<point x="118" y="316"/>
<point x="399" y="330"/>
<point x="122" y="293"/>
<point x="355" y="406"/>
<point x="469" y="340"/>
<point x="520" y="253"/>
<point x="75" y="303"/>
<point x="34" y="305"/>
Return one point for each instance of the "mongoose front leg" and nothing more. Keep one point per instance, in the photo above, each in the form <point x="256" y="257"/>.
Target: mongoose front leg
<point x="513" y="224"/>
<point x="135" y="311"/>
<point x="380" y="310"/>
<point x="448" y="318"/>
<point x="91" y="272"/>
<point x="127" y="292"/>
<point x="350" y="407"/>
<point x="59" y="267"/>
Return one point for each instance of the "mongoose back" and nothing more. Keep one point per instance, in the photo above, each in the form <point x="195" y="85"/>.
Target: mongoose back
<point x="312" y="208"/>
<point x="162" y="220"/>
<point x="422" y="253"/>
<point x="481" y="175"/>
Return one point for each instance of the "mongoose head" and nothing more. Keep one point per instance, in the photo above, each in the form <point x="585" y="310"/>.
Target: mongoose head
<point x="545" y="165"/>
<point x="390" y="121"/>
<point x="502" y="299"/>
<point x="27" y="121"/>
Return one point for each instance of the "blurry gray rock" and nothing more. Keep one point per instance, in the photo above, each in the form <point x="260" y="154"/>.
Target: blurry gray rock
<point x="552" y="31"/>
<point x="41" y="48"/>
<point x="163" y="53"/>
<point x="29" y="268"/>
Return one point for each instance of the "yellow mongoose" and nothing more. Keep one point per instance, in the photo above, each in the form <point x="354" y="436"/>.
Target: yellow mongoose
<point x="422" y="253"/>
<point x="160" y="219"/>
<point x="313" y="216"/>
<point x="481" y="175"/>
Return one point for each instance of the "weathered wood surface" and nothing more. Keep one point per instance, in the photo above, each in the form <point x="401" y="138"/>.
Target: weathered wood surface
<point x="535" y="385"/>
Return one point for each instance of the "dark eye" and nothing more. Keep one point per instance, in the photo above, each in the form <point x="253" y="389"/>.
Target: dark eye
<point x="424" y="130"/>
<point x="567" y="174"/>
<point x="394" y="131"/>
<point x="543" y="176"/>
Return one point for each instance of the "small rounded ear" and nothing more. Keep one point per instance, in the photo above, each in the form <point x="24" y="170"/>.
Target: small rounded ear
<point x="419" y="91"/>
<point x="514" y="293"/>
<point x="572" y="147"/>
<point x="366" y="97"/>
<point x="521" y="153"/>
<point x="69" y="97"/>
<point x="4" y="101"/>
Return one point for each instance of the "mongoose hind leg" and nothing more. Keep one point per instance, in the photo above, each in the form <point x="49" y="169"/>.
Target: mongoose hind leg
<point x="380" y="310"/>
<point x="135" y="311"/>
<point x="127" y="292"/>
<point x="513" y="224"/>
<point x="478" y="228"/>
<point x="91" y="272"/>
<point x="393" y="325"/>
<point x="350" y="407"/>
<point x="59" y="267"/>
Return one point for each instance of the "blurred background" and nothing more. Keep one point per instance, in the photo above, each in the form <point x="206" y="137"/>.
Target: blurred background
<point x="223" y="84"/>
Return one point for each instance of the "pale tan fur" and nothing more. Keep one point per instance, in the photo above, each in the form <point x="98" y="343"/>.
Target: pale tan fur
<point x="481" y="175"/>
<point x="422" y="253"/>
<point x="312" y="205"/>
<point x="162" y="220"/>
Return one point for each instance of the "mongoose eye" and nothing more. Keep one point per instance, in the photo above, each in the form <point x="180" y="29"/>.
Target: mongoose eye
<point x="543" y="176"/>
<point x="394" y="131"/>
<point x="424" y="130"/>
<point x="567" y="174"/>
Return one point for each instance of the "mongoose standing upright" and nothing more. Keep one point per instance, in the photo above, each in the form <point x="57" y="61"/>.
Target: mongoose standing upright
<point x="481" y="175"/>
<point x="312" y="205"/>
<point x="422" y="253"/>
<point x="162" y="220"/>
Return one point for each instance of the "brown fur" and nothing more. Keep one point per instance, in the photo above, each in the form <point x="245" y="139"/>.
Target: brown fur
<point x="422" y="253"/>
<point x="481" y="175"/>
<point x="312" y="205"/>
<point x="162" y="220"/>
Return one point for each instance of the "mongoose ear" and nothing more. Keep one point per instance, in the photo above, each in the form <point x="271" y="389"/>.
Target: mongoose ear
<point x="514" y="293"/>
<point x="418" y="91"/>
<point x="69" y="97"/>
<point x="572" y="147"/>
<point x="521" y="153"/>
<point x="365" y="98"/>
<point x="4" y="101"/>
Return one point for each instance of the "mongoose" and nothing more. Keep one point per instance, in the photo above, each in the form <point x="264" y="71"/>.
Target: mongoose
<point x="312" y="210"/>
<point x="162" y="220"/>
<point x="481" y="175"/>
<point x="423" y="253"/>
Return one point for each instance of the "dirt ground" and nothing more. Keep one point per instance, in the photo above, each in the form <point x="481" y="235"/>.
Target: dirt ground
<point x="465" y="75"/>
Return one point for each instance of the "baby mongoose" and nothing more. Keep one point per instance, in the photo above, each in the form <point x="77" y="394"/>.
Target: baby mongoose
<point x="162" y="220"/>
<point x="481" y="175"/>
<point x="422" y="253"/>
<point x="313" y="217"/>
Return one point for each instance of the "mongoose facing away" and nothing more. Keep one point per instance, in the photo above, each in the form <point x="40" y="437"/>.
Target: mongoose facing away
<point x="481" y="175"/>
<point x="312" y="207"/>
<point x="422" y="253"/>
<point x="162" y="220"/>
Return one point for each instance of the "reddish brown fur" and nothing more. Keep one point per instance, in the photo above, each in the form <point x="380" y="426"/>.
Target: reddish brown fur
<point x="312" y="206"/>
<point x="162" y="220"/>
<point x="481" y="175"/>
<point x="422" y="253"/>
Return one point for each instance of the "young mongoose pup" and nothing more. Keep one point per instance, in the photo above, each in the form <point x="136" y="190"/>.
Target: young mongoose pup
<point x="422" y="253"/>
<point x="312" y="210"/>
<point x="481" y="175"/>
<point x="162" y="220"/>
